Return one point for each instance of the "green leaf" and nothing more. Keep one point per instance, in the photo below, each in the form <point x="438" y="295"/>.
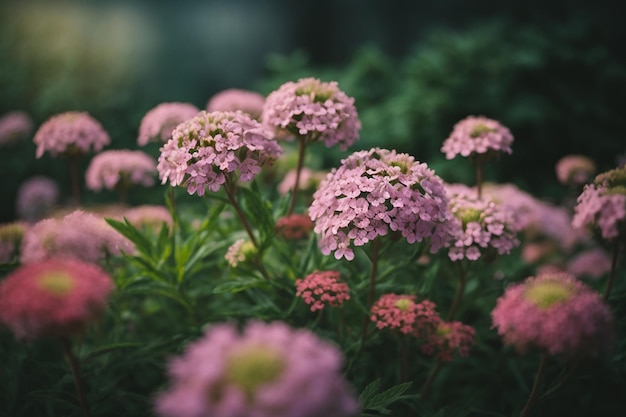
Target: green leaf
<point x="260" y="211"/>
<point x="380" y="402"/>
<point x="236" y="285"/>
<point x="126" y="229"/>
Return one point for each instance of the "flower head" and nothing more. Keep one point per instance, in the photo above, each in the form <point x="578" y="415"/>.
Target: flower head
<point x="266" y="370"/>
<point x="481" y="228"/>
<point x="474" y="136"/>
<point x="404" y="314"/>
<point x="14" y="126"/>
<point x="70" y="133"/>
<point x="449" y="339"/>
<point x="322" y="287"/>
<point x="294" y="227"/>
<point x="211" y="147"/>
<point x="234" y="99"/>
<point x="78" y="235"/>
<point x="239" y="252"/>
<point x="555" y="313"/>
<point x="159" y="122"/>
<point x="110" y="169"/>
<point x="593" y="263"/>
<point x="149" y="217"/>
<point x="36" y="197"/>
<point x="574" y="170"/>
<point x="314" y="110"/>
<point x="11" y="235"/>
<point x="56" y="297"/>
<point x="377" y="192"/>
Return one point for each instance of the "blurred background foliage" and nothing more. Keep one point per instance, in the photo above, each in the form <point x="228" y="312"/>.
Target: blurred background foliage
<point x="553" y="72"/>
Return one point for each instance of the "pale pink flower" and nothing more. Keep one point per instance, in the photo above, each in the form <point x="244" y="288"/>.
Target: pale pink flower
<point x="70" y="133"/>
<point x="148" y="217"/>
<point x="402" y="313"/>
<point x="159" y="122"/>
<point x="113" y="168"/>
<point x="266" y="370"/>
<point x="210" y="148"/>
<point x="313" y="110"/>
<point x="322" y="288"/>
<point x="477" y="136"/>
<point x="14" y="126"/>
<point x="375" y="193"/>
<point x="574" y="170"/>
<point x="56" y="297"/>
<point x="593" y="263"/>
<point x="239" y="252"/>
<point x="234" y="99"/>
<point x="555" y="313"/>
<point x="36" y="197"/>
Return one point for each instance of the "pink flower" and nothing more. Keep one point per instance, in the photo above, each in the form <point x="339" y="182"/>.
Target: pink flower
<point x="555" y="313"/>
<point x="575" y="170"/>
<point x="481" y="228"/>
<point x="210" y="148"/>
<point x="266" y="370"/>
<point x="322" y="287"/>
<point x="14" y="126"/>
<point x="309" y="180"/>
<point x="402" y="313"/>
<point x="148" y="217"/>
<point x="36" y="197"/>
<point x="602" y="205"/>
<point x="78" y="235"/>
<point x="294" y="227"/>
<point x="377" y="192"/>
<point x="159" y="122"/>
<point x="11" y="235"/>
<point x="450" y="339"/>
<point x="314" y="110"/>
<point x="234" y="99"/>
<point x="113" y="168"/>
<point x="239" y="252"/>
<point x="477" y="135"/>
<point x="70" y="133"/>
<point x="56" y="297"/>
<point x="593" y="263"/>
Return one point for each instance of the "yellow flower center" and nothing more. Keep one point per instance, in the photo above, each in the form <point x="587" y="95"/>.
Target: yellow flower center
<point x="443" y="330"/>
<point x="480" y="129"/>
<point x="57" y="283"/>
<point x="545" y="294"/>
<point x="253" y="366"/>
<point x="318" y="92"/>
<point x="404" y="304"/>
<point x="468" y="215"/>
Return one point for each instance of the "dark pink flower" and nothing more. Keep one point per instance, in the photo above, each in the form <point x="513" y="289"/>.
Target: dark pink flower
<point x="294" y="227"/>
<point x="56" y="297"/>
<point x="70" y="133"/>
<point x="448" y="340"/>
<point x="404" y="314"/>
<point x="322" y="288"/>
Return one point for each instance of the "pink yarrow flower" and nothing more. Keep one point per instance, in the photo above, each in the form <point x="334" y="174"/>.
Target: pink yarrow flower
<point x="211" y="148"/>
<point x="56" y="297"/>
<point x="70" y="133"/>
<point x="377" y="192"/>
<point x="15" y="126"/>
<point x="294" y="227"/>
<point x="322" y="288"/>
<point x="574" y="170"/>
<point x="266" y="370"/>
<point x="474" y="136"/>
<point x="400" y="312"/>
<point x="313" y="110"/>
<point x="449" y="340"/>
<point x="115" y="168"/>
<point x="159" y="122"/>
<point x="555" y="313"/>
<point x="234" y="99"/>
<point x="36" y="197"/>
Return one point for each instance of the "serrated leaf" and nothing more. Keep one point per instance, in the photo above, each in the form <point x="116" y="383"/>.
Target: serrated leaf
<point x="381" y="401"/>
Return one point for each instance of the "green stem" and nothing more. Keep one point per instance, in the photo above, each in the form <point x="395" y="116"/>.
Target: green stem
<point x="296" y="186"/>
<point x="609" y="283"/>
<point x="536" y="386"/>
<point x="228" y="187"/>
<point x="430" y="379"/>
<point x="75" y="369"/>
<point x="73" y="164"/>
<point x="459" y="292"/>
<point x="479" y="178"/>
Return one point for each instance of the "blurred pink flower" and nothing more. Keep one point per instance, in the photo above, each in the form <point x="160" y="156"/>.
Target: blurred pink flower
<point x="477" y="135"/>
<point x="314" y="110"/>
<point x="555" y="313"/>
<point x="239" y="252"/>
<point x="448" y="340"/>
<point x="159" y="122"/>
<point x="112" y="168"/>
<point x="70" y="133"/>
<point x="149" y="217"/>
<point x="322" y="287"/>
<point x="266" y="370"/>
<point x="36" y="197"/>
<point x="234" y="99"/>
<point x="593" y="263"/>
<point x="574" y="170"/>
<point x="210" y="148"/>
<point x="15" y="126"/>
<point x="294" y="227"/>
<point x="377" y="192"/>
<point x="309" y="180"/>
<point x="56" y="297"/>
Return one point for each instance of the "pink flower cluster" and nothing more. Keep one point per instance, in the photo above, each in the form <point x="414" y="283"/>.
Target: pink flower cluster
<point x="294" y="227"/>
<point x="593" y="263"/>
<point x="36" y="197"/>
<point x="321" y="288"/>
<point x="555" y="313"/>
<point x="481" y="227"/>
<point x="266" y="370"/>
<point x="602" y="205"/>
<point x="477" y="135"/>
<point x="70" y="133"/>
<point x="210" y="147"/>
<point x="78" y="235"/>
<point x="11" y="235"/>
<point x="448" y="340"/>
<point x="111" y="168"/>
<point x="239" y="252"/>
<point x="56" y="297"/>
<point x="234" y="99"/>
<point x="148" y="217"/>
<point x="377" y="192"/>
<point x="14" y="126"/>
<point x="159" y="122"/>
<point x="402" y="313"/>
<point x="574" y="170"/>
<point x="313" y="110"/>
